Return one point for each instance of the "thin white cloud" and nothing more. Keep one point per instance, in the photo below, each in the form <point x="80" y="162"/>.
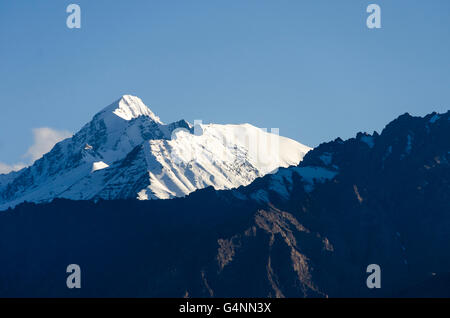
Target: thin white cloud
<point x="44" y="140"/>
<point x="4" y="168"/>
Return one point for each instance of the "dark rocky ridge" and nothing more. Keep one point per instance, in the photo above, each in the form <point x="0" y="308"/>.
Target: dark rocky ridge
<point x="389" y="204"/>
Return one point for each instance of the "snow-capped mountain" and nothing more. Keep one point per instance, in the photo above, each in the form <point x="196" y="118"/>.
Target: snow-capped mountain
<point x="126" y="151"/>
<point x="305" y="231"/>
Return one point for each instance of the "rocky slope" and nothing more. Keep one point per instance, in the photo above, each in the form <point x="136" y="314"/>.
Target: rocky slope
<point x="306" y="231"/>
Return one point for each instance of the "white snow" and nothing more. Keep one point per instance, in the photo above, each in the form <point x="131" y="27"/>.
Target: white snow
<point x="142" y="195"/>
<point x="314" y="175"/>
<point x="131" y="107"/>
<point x="434" y="118"/>
<point x="281" y="182"/>
<point x="224" y="156"/>
<point x="127" y="147"/>
<point x="99" y="165"/>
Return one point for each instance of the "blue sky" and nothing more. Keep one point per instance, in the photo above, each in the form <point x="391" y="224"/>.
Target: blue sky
<point x="311" y="68"/>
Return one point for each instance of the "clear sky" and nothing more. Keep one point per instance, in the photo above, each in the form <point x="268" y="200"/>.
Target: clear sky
<point x="309" y="67"/>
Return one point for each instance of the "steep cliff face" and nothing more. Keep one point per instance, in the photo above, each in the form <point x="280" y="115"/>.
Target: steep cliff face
<point x="306" y="231"/>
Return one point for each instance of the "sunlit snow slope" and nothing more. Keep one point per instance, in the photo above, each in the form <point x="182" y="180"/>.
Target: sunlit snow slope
<point x="127" y="152"/>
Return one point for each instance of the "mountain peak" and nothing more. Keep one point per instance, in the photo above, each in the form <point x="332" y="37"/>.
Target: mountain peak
<point x="129" y="107"/>
<point x="125" y="151"/>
